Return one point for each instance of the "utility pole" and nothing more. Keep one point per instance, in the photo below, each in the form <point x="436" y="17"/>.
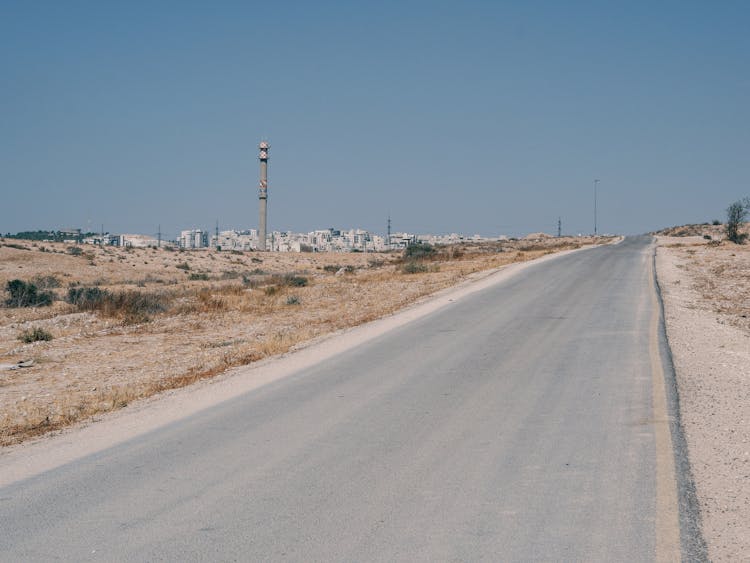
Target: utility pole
<point x="159" y="235"/>
<point x="596" y="182"/>
<point x="559" y="227"/>
<point x="217" y="234"/>
<point x="388" y="237"/>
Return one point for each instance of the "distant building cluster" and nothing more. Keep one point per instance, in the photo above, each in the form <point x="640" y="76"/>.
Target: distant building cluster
<point x="328" y="240"/>
<point x="325" y="240"/>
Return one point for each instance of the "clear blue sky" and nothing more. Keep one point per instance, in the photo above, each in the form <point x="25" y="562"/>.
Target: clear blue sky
<point x="471" y="117"/>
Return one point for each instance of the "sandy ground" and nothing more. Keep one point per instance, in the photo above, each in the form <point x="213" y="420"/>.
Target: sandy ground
<point x="706" y="290"/>
<point x="221" y="310"/>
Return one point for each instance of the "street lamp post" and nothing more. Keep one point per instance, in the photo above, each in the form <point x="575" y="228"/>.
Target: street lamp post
<point x="595" y="184"/>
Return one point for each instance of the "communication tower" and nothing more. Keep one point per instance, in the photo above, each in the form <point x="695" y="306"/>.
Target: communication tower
<point x="263" y="193"/>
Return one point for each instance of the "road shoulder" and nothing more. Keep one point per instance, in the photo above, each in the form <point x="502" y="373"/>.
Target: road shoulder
<point x="711" y="356"/>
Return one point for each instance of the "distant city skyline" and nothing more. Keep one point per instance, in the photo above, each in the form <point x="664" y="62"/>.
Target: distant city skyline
<point x="478" y="117"/>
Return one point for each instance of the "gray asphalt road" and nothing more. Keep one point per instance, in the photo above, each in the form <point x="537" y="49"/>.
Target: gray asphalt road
<point x="516" y="424"/>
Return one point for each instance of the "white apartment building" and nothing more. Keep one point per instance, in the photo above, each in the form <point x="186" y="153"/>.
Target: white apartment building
<point x="194" y="238"/>
<point x="236" y="240"/>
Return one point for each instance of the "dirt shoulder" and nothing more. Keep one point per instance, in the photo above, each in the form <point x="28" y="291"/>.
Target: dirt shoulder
<point x="126" y="324"/>
<point x="706" y="290"/>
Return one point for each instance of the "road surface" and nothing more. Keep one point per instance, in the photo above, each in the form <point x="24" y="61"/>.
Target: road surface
<point x="528" y="421"/>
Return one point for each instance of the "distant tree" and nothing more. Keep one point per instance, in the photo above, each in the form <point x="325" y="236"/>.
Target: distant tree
<point x="736" y="215"/>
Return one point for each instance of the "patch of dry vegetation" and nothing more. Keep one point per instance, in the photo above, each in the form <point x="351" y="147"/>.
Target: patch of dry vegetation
<point x="718" y="270"/>
<point x="128" y="323"/>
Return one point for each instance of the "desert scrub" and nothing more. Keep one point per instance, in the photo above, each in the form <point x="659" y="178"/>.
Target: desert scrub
<point x="294" y="281"/>
<point x="47" y="282"/>
<point x="413" y="267"/>
<point x="26" y="294"/>
<point x="332" y="268"/>
<point x="34" y="335"/>
<point x="419" y="251"/>
<point x="183" y="266"/>
<point x="132" y="306"/>
<point x="292" y="300"/>
<point x="210" y="303"/>
<point x="198" y="277"/>
<point x="349" y="269"/>
<point x="87" y="298"/>
<point x="271" y="290"/>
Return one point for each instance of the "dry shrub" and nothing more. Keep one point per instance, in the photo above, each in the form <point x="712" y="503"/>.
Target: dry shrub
<point x="210" y="303"/>
<point x="131" y="306"/>
<point x="35" y="335"/>
<point x="413" y="267"/>
<point x="47" y="282"/>
<point x="213" y="300"/>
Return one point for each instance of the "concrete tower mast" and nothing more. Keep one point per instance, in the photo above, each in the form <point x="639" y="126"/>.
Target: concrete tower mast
<point x="263" y="193"/>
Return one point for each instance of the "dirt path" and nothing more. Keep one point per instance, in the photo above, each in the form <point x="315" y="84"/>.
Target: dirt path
<point x="706" y="290"/>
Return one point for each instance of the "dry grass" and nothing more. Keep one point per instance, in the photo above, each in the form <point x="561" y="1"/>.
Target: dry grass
<point x="157" y="329"/>
<point x="719" y="272"/>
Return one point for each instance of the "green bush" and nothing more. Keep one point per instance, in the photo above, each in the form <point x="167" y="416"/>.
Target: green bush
<point x="198" y="277"/>
<point x="74" y="251"/>
<point x="26" y="294"/>
<point x="34" y="335"/>
<point x="292" y="300"/>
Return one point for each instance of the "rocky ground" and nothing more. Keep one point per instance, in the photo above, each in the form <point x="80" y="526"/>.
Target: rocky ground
<point x="706" y="288"/>
<point x="146" y="320"/>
